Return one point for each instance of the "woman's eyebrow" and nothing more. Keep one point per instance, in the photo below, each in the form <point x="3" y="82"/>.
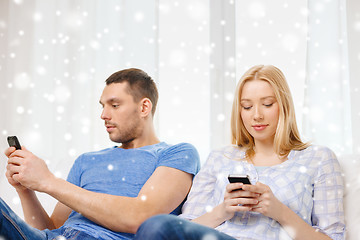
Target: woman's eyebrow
<point x="263" y="98"/>
<point x="268" y="97"/>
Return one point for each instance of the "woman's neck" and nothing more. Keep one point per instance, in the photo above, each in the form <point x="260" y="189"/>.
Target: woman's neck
<point x="265" y="155"/>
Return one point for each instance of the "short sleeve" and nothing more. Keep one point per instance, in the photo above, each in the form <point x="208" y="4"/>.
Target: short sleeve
<point x="328" y="209"/>
<point x="201" y="196"/>
<point x="75" y="172"/>
<point x="181" y="156"/>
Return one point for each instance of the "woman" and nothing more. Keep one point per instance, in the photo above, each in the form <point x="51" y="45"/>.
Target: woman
<point x="296" y="190"/>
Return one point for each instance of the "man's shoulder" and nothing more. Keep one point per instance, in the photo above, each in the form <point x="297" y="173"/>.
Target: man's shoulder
<point x="157" y="150"/>
<point x="182" y="156"/>
<point x="177" y="148"/>
<point x="98" y="152"/>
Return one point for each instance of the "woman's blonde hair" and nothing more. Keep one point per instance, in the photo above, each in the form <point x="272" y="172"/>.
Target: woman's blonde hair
<point x="287" y="135"/>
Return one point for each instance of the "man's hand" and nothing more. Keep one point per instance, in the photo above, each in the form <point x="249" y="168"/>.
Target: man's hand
<point x="25" y="170"/>
<point x="9" y="174"/>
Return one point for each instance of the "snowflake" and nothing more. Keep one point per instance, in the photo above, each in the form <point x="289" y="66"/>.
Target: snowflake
<point x="357" y="26"/>
<point x="67" y="136"/>
<point x="41" y="70"/>
<point x="37" y="17"/>
<point x="256" y="10"/>
<point x="18" y="2"/>
<point x="208" y="208"/>
<point x="209" y="236"/>
<point x="22" y="81"/>
<point x="20" y="110"/>
<point x="139" y="16"/>
<point x="221" y="117"/>
<point x="16" y="200"/>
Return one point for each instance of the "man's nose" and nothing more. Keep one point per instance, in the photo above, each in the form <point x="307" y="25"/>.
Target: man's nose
<point x="104" y="114"/>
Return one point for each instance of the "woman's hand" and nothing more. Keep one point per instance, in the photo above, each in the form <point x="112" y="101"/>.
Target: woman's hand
<point x="236" y="200"/>
<point x="268" y="204"/>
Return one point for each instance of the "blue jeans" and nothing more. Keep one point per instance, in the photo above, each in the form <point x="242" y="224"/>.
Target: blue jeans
<point x="170" y="227"/>
<point x="13" y="228"/>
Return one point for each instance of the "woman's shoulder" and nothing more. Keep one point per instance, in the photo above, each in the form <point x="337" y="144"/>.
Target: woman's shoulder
<point x="229" y="152"/>
<point x="229" y="149"/>
<point x="317" y="150"/>
<point x="316" y="153"/>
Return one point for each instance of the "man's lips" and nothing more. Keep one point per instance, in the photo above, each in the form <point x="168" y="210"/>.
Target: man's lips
<point x="109" y="128"/>
<point x="259" y="127"/>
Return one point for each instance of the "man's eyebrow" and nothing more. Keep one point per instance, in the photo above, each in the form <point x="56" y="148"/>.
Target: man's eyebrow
<point x="111" y="100"/>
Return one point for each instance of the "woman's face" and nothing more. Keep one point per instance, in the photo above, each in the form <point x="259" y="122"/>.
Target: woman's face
<point x="259" y="110"/>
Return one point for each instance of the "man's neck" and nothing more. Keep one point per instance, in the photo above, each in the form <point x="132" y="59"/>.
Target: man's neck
<point x="146" y="138"/>
<point x="137" y="143"/>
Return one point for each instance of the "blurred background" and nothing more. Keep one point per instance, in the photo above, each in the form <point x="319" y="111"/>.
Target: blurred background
<point x="56" y="55"/>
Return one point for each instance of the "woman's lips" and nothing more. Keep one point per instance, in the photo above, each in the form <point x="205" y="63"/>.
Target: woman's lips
<point x="259" y="127"/>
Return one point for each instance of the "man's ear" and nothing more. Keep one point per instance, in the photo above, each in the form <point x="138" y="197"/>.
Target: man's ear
<point x="146" y="107"/>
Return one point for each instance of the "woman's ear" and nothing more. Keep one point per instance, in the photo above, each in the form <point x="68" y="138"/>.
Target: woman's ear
<point x="146" y="107"/>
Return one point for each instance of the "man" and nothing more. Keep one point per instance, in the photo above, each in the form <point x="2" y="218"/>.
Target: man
<point x="108" y="193"/>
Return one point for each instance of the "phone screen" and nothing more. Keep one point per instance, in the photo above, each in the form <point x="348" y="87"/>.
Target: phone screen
<point x="14" y="142"/>
<point x="234" y="178"/>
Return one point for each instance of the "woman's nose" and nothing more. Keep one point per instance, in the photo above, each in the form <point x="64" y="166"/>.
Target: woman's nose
<point x="258" y="115"/>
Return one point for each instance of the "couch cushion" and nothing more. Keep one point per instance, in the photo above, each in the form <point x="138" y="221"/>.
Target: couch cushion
<point x="351" y="169"/>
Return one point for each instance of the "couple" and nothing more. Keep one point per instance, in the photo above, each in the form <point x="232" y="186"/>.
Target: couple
<point x="296" y="189"/>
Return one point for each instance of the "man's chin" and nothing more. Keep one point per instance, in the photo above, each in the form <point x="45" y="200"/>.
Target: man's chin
<point x="114" y="138"/>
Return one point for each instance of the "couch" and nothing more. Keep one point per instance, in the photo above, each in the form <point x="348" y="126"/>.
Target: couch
<point x="351" y="168"/>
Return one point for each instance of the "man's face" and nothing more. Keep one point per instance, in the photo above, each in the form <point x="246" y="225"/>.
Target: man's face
<point x="120" y="113"/>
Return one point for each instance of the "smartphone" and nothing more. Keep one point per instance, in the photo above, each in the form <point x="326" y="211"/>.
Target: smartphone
<point x="234" y="178"/>
<point x="14" y="142"/>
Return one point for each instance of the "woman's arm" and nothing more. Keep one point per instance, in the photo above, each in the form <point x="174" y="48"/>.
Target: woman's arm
<point x="235" y="200"/>
<point x="271" y="207"/>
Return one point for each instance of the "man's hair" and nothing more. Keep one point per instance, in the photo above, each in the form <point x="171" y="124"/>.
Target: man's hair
<point x="287" y="136"/>
<point x="140" y="85"/>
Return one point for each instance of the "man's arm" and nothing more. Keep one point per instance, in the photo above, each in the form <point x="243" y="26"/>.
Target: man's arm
<point x="60" y="214"/>
<point x="34" y="213"/>
<point x="162" y="193"/>
<point x="37" y="217"/>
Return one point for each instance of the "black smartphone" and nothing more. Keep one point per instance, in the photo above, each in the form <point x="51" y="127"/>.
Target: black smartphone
<point x="233" y="178"/>
<point x="14" y="142"/>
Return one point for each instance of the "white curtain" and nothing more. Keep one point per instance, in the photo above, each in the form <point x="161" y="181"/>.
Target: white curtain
<point x="56" y="55"/>
<point x="327" y="112"/>
<point x="314" y="44"/>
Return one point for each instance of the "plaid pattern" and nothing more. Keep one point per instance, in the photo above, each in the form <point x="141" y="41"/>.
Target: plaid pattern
<point x="309" y="182"/>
